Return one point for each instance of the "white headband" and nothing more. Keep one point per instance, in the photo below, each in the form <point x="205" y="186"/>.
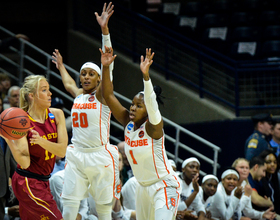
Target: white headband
<point x="191" y="159"/>
<point x="92" y="66"/>
<point x="210" y="176"/>
<point x="172" y="163"/>
<point x="229" y="171"/>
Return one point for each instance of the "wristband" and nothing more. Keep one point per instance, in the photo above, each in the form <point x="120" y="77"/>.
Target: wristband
<point x="106" y="41"/>
<point x="6" y="210"/>
<point x="150" y="100"/>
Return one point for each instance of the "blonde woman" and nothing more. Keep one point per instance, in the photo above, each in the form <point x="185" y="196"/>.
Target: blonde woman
<point x="36" y="152"/>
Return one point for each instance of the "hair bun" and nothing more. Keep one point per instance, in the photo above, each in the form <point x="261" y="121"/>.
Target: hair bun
<point x="157" y="90"/>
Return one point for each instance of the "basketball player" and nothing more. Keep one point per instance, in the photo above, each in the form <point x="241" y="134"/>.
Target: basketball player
<point x="35" y="153"/>
<point x="158" y="191"/>
<point x="92" y="162"/>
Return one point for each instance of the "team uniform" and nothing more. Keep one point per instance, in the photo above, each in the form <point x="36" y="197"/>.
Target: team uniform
<point x="158" y="184"/>
<point x="246" y="206"/>
<point x="187" y="190"/>
<point x="31" y="186"/>
<point x="92" y="162"/>
<point x="224" y="206"/>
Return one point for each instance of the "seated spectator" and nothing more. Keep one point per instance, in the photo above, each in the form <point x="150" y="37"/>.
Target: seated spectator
<point x="242" y="166"/>
<point x="5" y="82"/>
<point x="225" y="201"/>
<point x="56" y="184"/>
<point x="259" y="140"/>
<point x="7" y="168"/>
<point x="128" y="193"/>
<point x="208" y="190"/>
<point x="13" y="97"/>
<point x="190" y="188"/>
<point x="257" y="171"/>
<point x="126" y="171"/>
<point x="270" y="181"/>
<point x="275" y="141"/>
<point x="5" y="43"/>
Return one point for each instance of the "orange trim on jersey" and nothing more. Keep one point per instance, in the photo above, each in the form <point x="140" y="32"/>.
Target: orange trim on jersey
<point x="37" y="200"/>
<point x="177" y="202"/>
<point x="114" y="185"/>
<point x="100" y="116"/>
<point x="254" y="189"/>
<point x="154" y="158"/>
<point x="177" y="181"/>
<point x="164" y="161"/>
<point x="166" y="199"/>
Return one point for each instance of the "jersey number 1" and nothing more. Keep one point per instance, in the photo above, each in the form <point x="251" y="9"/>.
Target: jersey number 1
<point x="80" y="120"/>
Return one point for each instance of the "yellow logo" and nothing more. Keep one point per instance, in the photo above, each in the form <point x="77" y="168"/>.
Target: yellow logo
<point x="253" y="143"/>
<point x="43" y="217"/>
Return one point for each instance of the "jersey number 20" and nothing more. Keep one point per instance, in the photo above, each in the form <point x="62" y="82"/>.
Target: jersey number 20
<point x="80" y="120"/>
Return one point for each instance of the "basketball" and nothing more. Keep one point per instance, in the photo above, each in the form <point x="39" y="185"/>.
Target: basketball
<point x="14" y="123"/>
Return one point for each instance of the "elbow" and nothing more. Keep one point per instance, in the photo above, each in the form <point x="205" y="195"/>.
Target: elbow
<point x="62" y="153"/>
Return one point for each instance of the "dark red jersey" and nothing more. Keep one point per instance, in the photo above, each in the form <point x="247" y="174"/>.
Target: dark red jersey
<point x="42" y="161"/>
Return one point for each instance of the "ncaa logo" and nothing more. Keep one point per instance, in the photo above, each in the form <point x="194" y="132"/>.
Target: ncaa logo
<point x="141" y="134"/>
<point x="91" y="99"/>
<point x="130" y="126"/>
<point x="51" y="115"/>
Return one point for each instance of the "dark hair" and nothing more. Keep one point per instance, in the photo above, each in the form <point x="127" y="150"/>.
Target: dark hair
<point x="256" y="160"/>
<point x="266" y="152"/>
<point x="158" y="90"/>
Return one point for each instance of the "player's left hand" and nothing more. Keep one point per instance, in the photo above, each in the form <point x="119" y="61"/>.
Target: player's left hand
<point x="106" y="14"/>
<point x="107" y="58"/>
<point x="35" y="139"/>
<point x="147" y="62"/>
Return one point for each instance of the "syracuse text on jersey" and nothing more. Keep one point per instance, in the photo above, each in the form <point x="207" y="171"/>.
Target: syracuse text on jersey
<point x="84" y="106"/>
<point x="137" y="143"/>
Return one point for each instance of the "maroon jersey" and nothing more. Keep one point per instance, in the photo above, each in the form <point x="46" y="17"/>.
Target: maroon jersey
<point x="42" y="161"/>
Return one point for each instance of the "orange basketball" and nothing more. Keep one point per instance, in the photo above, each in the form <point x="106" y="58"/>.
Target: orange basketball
<point x="14" y="123"/>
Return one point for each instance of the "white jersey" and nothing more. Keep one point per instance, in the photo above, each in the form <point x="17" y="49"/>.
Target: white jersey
<point x="147" y="156"/>
<point x="128" y="193"/>
<point x="208" y="201"/>
<point x="246" y="206"/>
<point x="196" y="204"/>
<point x="224" y="207"/>
<point x="90" y="122"/>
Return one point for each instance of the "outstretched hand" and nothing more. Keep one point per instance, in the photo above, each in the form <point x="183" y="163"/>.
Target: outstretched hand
<point x="107" y="58"/>
<point x="57" y="59"/>
<point x="147" y="62"/>
<point x="105" y="15"/>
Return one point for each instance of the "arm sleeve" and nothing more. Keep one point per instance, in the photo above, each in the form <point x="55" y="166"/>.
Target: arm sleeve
<point x="151" y="103"/>
<point x="249" y="211"/>
<point x="219" y="204"/>
<point x="106" y="41"/>
<point x="198" y="205"/>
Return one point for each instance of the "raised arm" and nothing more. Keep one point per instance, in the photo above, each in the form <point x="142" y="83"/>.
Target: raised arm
<point x="155" y="123"/>
<point x="119" y="112"/>
<point x="103" y="20"/>
<point x="68" y="82"/>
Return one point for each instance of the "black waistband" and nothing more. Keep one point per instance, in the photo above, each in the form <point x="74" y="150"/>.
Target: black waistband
<point x="32" y="175"/>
